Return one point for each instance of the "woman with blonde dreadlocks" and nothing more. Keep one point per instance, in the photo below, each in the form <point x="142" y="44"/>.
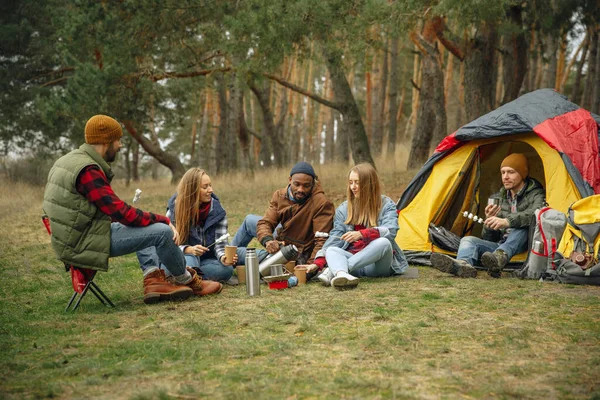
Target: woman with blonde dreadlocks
<point x="361" y="242"/>
<point x="199" y="220"/>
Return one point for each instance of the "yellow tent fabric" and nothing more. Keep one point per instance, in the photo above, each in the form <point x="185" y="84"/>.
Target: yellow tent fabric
<point x="546" y="166"/>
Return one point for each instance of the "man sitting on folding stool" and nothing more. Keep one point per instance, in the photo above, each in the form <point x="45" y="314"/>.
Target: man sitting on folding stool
<point x="90" y="223"/>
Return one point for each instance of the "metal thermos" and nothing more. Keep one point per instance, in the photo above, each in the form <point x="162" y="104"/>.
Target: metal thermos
<point x="287" y="253"/>
<point x="538" y="247"/>
<point x="252" y="275"/>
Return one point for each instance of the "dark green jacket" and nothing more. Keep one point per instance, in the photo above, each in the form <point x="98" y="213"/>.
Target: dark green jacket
<point x="532" y="198"/>
<point x="80" y="231"/>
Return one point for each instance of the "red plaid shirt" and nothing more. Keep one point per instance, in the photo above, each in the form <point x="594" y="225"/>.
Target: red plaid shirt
<point x="93" y="185"/>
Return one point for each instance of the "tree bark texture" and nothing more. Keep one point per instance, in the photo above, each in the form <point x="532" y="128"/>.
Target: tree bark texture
<point x="514" y="56"/>
<point x="379" y="115"/>
<point x="549" y="76"/>
<point x="359" y="143"/>
<point x="393" y="98"/>
<point x="431" y="115"/>
<point x="479" y="82"/>
<point x="222" y="145"/>
<point x="262" y="95"/>
<point x="589" y="91"/>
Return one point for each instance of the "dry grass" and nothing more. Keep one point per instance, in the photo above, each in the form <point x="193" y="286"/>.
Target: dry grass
<point x="433" y="337"/>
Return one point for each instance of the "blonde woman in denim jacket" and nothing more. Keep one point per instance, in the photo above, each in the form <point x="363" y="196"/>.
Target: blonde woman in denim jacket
<point x="361" y="242"/>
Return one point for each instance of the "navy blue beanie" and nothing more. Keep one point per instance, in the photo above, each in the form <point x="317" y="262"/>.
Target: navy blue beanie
<point x="303" y="168"/>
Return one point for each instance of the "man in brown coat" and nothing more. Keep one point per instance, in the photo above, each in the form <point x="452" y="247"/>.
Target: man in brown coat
<point x="295" y="213"/>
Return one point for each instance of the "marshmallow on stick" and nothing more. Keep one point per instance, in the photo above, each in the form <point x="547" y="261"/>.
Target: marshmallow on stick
<point x="221" y="239"/>
<point x="472" y="217"/>
<point x="325" y="235"/>
<point x="137" y="195"/>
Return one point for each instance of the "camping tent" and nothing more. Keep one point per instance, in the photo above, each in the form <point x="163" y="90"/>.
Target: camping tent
<point x="559" y="138"/>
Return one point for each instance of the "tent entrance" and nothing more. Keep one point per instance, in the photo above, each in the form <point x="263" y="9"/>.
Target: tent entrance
<point x="478" y="179"/>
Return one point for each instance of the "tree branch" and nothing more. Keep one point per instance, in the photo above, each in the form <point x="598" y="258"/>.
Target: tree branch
<point x="170" y="74"/>
<point x="306" y="93"/>
<point x="54" y="82"/>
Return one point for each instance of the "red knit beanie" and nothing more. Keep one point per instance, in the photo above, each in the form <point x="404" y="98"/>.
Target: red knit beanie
<point x="102" y="129"/>
<point x="518" y="162"/>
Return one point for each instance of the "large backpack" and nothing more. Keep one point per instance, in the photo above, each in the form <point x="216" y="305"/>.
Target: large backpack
<point x="580" y="245"/>
<point x="548" y="230"/>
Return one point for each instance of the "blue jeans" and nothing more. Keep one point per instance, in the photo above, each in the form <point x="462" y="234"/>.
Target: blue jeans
<point x="375" y="260"/>
<point x="156" y="237"/>
<point x="471" y="248"/>
<point x="244" y="235"/>
<point x="210" y="268"/>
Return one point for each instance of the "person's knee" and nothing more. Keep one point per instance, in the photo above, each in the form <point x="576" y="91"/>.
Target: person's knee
<point x="330" y="251"/>
<point x="468" y="241"/>
<point x="191" y="261"/>
<point x="382" y="244"/>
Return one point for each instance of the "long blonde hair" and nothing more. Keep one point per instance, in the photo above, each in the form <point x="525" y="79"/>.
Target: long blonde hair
<point x="364" y="209"/>
<point x="187" y="205"/>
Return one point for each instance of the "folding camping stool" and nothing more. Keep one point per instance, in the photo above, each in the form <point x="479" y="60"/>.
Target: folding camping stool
<point x="82" y="280"/>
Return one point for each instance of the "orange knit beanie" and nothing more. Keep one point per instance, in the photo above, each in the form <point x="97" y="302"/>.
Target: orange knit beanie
<point x="518" y="162"/>
<point x="102" y="129"/>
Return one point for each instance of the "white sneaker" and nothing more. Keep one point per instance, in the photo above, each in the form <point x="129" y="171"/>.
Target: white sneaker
<point x="325" y="277"/>
<point x="344" y="280"/>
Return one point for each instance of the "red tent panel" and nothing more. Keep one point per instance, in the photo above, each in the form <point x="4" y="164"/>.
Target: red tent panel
<point x="575" y="134"/>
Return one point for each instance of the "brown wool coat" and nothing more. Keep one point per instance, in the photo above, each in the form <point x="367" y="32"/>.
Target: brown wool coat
<point x="299" y="222"/>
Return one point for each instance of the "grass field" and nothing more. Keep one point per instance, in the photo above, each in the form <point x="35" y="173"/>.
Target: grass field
<point x="432" y="337"/>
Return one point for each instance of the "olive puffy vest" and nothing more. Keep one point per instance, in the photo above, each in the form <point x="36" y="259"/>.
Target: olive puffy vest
<point x="80" y="231"/>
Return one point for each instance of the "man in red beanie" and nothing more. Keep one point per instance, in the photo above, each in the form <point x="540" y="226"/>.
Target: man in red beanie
<point x="90" y="223"/>
<point x="506" y="226"/>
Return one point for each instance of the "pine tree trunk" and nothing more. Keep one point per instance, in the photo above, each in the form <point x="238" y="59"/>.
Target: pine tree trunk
<point x="379" y="122"/>
<point x="128" y="163"/>
<point x="590" y="80"/>
<point x="549" y="76"/>
<point x="532" y="60"/>
<point x="359" y="143"/>
<point x="595" y="107"/>
<point x="135" y="162"/>
<point x="222" y="148"/>
<point x="393" y="98"/>
<point x="203" y="157"/>
<point x="262" y="95"/>
<point x="479" y="82"/>
<point x="431" y="117"/>
<point x="154" y="137"/>
<point x="514" y="60"/>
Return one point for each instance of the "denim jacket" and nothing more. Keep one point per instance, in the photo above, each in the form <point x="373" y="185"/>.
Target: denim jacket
<point x="387" y="218"/>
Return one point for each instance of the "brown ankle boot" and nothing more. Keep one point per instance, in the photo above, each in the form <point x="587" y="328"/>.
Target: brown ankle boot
<point x="203" y="287"/>
<point x="156" y="288"/>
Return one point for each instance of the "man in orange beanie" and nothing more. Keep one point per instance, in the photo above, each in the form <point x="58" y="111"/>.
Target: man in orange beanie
<point x="506" y="226"/>
<point x="90" y="223"/>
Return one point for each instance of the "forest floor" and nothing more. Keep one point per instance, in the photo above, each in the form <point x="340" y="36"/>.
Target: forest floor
<point x="433" y="337"/>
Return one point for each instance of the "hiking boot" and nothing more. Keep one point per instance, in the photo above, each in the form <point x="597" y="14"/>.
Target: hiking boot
<point x="156" y="288"/>
<point x="325" y="277"/>
<point x="494" y="262"/>
<point x="449" y="265"/>
<point x="343" y="280"/>
<point x="202" y="287"/>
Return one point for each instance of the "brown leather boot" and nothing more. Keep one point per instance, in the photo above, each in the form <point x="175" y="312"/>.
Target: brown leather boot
<point x="203" y="287"/>
<point x="156" y="288"/>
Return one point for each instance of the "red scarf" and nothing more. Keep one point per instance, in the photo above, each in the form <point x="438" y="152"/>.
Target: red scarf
<point x="203" y="213"/>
